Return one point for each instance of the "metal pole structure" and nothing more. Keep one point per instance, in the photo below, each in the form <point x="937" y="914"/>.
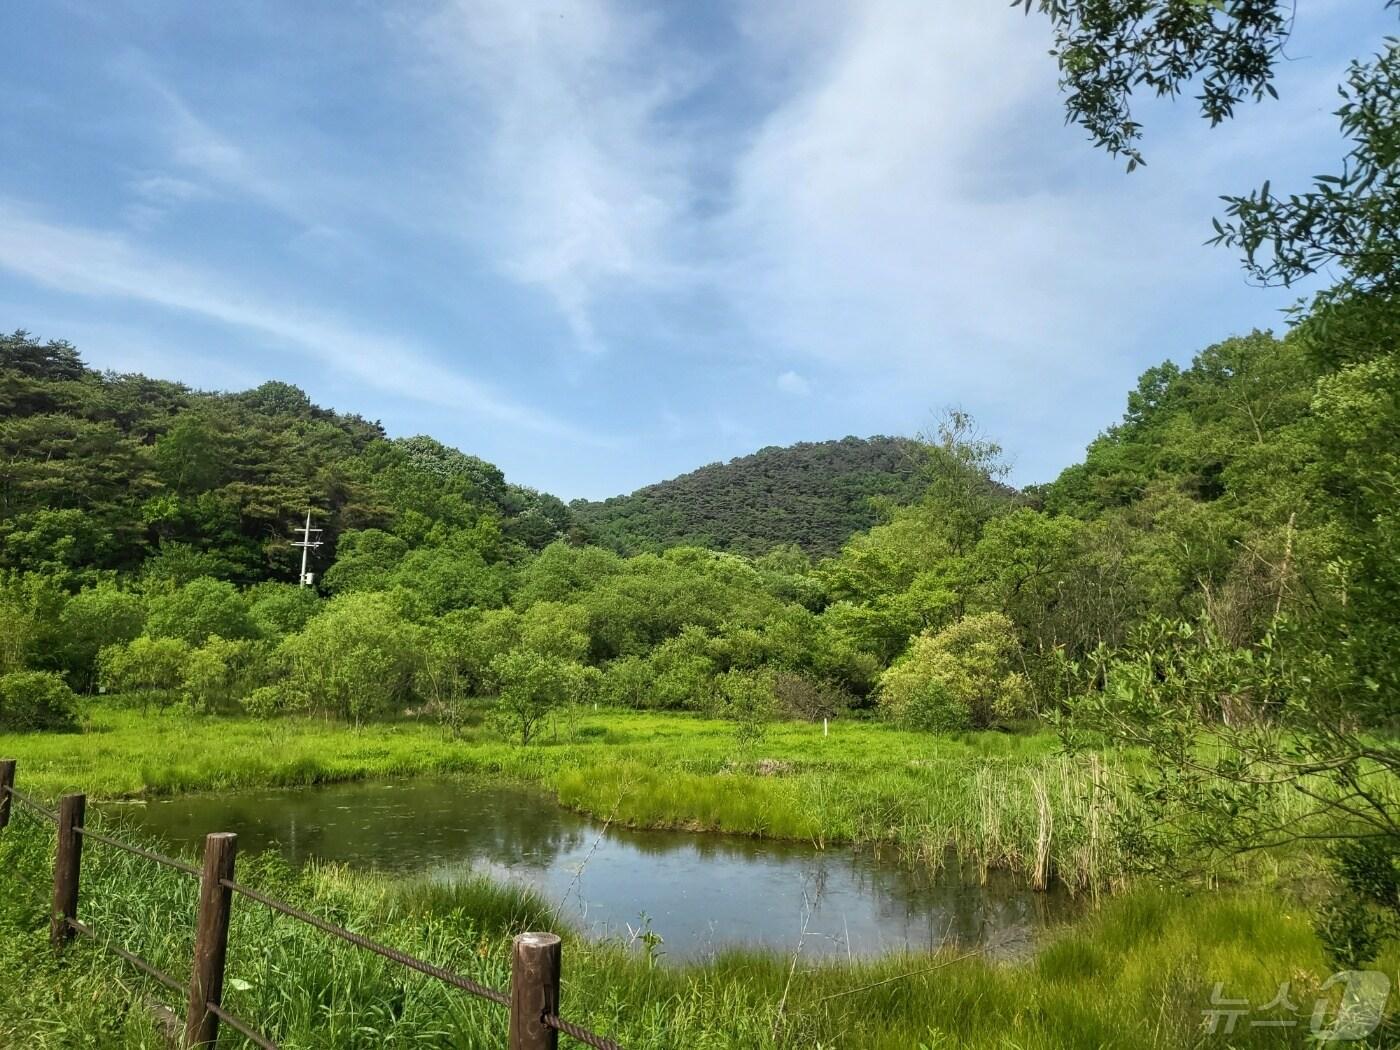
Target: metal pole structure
<point x="307" y="544"/>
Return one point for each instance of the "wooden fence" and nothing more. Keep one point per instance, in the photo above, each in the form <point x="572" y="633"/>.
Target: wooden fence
<point x="533" y="998"/>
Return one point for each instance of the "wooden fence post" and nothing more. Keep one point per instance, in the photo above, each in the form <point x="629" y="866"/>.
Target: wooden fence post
<point x="7" y="781"/>
<point x="67" y="865"/>
<point x="534" y="991"/>
<point x="210" y="939"/>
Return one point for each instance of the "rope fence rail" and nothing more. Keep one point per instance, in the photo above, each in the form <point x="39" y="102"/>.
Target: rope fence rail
<point x="48" y="814"/>
<point x="159" y="976"/>
<point x="157" y="858"/>
<point x="533" y="997"/>
<point x="481" y="991"/>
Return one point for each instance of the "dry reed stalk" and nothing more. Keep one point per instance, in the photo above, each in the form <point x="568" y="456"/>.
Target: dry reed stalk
<point x="1045" y="822"/>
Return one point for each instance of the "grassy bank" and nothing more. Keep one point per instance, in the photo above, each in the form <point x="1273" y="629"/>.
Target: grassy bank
<point x="1002" y="800"/>
<point x="1138" y="974"/>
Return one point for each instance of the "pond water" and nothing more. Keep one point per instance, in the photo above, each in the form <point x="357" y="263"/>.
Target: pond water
<point x="700" y="892"/>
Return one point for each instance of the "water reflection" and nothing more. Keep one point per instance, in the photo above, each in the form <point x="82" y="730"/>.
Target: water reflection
<point x="700" y="893"/>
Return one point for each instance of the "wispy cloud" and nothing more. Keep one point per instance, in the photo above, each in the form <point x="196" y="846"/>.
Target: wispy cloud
<point x="873" y="201"/>
<point x="198" y="150"/>
<point x="587" y="191"/>
<point x="95" y="263"/>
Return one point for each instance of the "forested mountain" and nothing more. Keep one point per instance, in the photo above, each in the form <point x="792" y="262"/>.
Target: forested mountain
<point x="1238" y="497"/>
<point x="812" y="494"/>
<point x="101" y="472"/>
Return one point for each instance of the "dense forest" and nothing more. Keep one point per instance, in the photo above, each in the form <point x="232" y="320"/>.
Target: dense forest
<point x="121" y="473"/>
<point x="812" y="494"/>
<point x="1227" y="501"/>
<point x="145" y="523"/>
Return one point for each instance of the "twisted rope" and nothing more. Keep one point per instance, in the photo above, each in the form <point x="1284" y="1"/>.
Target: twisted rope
<point x="135" y="960"/>
<point x="466" y="984"/>
<point x="169" y="862"/>
<point x="248" y="1033"/>
<point x="583" y="1035"/>
<point x="43" y="811"/>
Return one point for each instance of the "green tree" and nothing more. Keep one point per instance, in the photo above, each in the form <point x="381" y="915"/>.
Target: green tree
<point x="365" y="561"/>
<point x="280" y="609"/>
<point x="194" y="454"/>
<point x="440" y="579"/>
<point x="65" y="543"/>
<point x="356" y="659"/>
<point x="1106" y="51"/>
<point x="682" y="670"/>
<point x="175" y="564"/>
<point x="151" y="667"/>
<point x="532" y="687"/>
<point x="199" y="609"/>
<point x="445" y="677"/>
<point x="94" y="619"/>
<point x="556" y="629"/>
<point x="31" y="607"/>
<point x="219" y="673"/>
<point x="1347" y="220"/>
<point x="962" y="677"/>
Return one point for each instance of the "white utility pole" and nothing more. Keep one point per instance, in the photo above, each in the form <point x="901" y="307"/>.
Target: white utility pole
<point x="307" y="544"/>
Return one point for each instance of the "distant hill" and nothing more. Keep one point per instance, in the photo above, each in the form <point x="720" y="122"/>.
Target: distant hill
<point x="103" y="472"/>
<point x="812" y="494"/>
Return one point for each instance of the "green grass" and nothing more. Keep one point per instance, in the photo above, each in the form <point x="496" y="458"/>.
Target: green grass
<point x="1003" y="800"/>
<point x="1137" y="974"/>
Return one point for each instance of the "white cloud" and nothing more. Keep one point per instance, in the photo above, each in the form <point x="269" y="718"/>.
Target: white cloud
<point x="877" y="194"/>
<point x="878" y="216"/>
<point x="156" y="197"/>
<point x="871" y="224"/>
<point x="95" y="263"/>
<point x="195" y="147"/>
<point x="790" y="382"/>
<point x="585" y="193"/>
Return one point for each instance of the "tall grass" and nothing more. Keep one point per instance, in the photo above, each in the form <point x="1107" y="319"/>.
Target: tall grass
<point x="999" y="800"/>
<point x="1138" y="974"/>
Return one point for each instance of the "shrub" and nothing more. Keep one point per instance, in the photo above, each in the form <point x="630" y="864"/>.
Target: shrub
<point x="219" y="672"/>
<point x="356" y="659"/>
<point x="34" y="700"/>
<point x="746" y="699"/>
<point x="267" y="701"/>
<point x="683" y="671"/>
<point x="154" y="667"/>
<point x="627" y="682"/>
<point x="811" y="699"/>
<point x="961" y="677"/>
<point x="533" y="686"/>
<point x="199" y="609"/>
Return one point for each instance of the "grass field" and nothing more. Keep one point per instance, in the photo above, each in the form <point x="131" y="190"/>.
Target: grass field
<point x="1002" y="799"/>
<point x="1137" y="974"/>
<point x="1006" y="800"/>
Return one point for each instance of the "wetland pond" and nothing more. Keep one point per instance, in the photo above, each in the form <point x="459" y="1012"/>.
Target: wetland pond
<point x="701" y="893"/>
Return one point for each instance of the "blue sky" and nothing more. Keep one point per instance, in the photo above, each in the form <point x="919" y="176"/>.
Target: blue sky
<point x="601" y="242"/>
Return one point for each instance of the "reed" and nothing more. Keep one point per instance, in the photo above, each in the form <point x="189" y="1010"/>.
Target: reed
<point x="999" y="800"/>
